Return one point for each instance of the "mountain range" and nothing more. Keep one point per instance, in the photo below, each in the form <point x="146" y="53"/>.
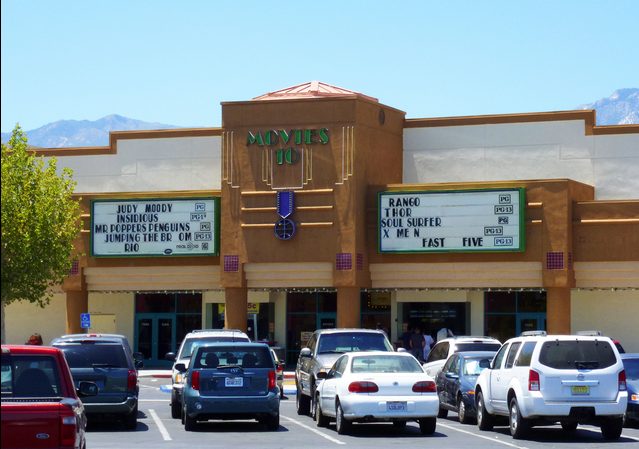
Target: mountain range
<point x="621" y="108"/>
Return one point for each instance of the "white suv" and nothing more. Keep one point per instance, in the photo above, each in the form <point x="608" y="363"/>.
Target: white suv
<point x="190" y="343"/>
<point x="449" y="346"/>
<point x="544" y="379"/>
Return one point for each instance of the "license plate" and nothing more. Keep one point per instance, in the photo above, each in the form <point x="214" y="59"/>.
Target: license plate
<point x="580" y="389"/>
<point x="233" y="381"/>
<point x="396" y="406"/>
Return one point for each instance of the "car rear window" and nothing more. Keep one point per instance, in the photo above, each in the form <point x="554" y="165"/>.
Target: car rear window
<point x="30" y="376"/>
<point x="221" y="356"/>
<point x="476" y="346"/>
<point x="577" y="354"/>
<point x="191" y="344"/>
<point x="353" y="341"/>
<point x="632" y="368"/>
<point x="94" y="355"/>
<point x="385" y="364"/>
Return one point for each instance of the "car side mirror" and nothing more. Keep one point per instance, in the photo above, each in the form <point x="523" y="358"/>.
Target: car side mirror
<point x="450" y="375"/>
<point x="181" y="367"/>
<point x="86" y="389"/>
<point x="170" y="356"/>
<point x="322" y="375"/>
<point x="305" y="352"/>
<point x="139" y="364"/>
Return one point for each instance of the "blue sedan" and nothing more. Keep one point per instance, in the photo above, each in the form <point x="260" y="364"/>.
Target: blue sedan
<point x="456" y="383"/>
<point x="631" y="366"/>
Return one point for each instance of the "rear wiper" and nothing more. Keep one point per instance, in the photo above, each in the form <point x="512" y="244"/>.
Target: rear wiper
<point x="104" y="365"/>
<point x="580" y="364"/>
<point x="331" y="352"/>
<point x="228" y="366"/>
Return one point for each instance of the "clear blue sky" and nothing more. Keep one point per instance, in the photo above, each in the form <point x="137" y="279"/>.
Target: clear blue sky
<point x="173" y="61"/>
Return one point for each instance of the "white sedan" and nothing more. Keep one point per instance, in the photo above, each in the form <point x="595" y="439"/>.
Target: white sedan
<point x="376" y="387"/>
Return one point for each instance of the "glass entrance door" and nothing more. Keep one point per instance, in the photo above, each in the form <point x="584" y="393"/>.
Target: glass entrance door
<point x="530" y="322"/>
<point x="154" y="337"/>
<point x="326" y="320"/>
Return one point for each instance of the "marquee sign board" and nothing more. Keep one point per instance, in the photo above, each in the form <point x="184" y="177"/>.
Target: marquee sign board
<point x="490" y="220"/>
<point x="155" y="227"/>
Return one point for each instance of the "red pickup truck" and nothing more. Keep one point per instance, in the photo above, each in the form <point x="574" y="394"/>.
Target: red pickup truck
<point x="40" y="404"/>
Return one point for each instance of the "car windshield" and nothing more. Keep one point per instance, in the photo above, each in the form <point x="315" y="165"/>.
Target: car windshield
<point x="477" y="346"/>
<point x="94" y="355"/>
<point x="353" y="341"/>
<point x="191" y="344"/>
<point x="233" y="356"/>
<point x="632" y="368"/>
<point x="474" y="367"/>
<point x="577" y="354"/>
<point x="385" y="364"/>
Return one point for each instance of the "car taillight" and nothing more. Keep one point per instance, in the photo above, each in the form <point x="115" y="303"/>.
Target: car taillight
<point x="533" y="380"/>
<point x="132" y="380"/>
<point x="67" y="428"/>
<point x="622" y="381"/>
<point x="195" y="380"/>
<point x="271" y="380"/>
<point x="426" y="386"/>
<point x="363" y="387"/>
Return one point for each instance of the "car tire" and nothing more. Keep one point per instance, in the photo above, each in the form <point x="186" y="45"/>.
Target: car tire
<point x="189" y="423"/>
<point x="176" y="409"/>
<point x="427" y="425"/>
<point x="569" y="426"/>
<point x="399" y="425"/>
<point x="342" y="425"/>
<point x="484" y="420"/>
<point x="303" y="403"/>
<point x="273" y="422"/>
<point x="131" y="419"/>
<point x="519" y="426"/>
<point x="320" y="418"/>
<point x="442" y="412"/>
<point x="611" y="428"/>
<point x="462" y="411"/>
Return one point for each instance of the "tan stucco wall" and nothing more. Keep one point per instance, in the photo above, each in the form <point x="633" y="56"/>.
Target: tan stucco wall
<point x="121" y="305"/>
<point x="612" y="312"/>
<point x="23" y="318"/>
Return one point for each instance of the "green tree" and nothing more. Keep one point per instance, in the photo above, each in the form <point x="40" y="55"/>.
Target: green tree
<point x="40" y="221"/>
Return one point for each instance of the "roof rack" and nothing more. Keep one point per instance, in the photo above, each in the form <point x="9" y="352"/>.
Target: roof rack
<point x="216" y="330"/>
<point x="533" y="334"/>
<point x="592" y="333"/>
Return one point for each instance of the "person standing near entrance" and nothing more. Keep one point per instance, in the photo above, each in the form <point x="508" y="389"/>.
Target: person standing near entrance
<point x="417" y="344"/>
<point x="428" y="344"/>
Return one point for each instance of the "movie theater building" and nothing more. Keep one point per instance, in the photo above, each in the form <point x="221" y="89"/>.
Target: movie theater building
<point x="316" y="206"/>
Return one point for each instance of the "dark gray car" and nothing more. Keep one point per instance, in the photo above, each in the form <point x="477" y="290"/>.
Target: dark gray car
<point x="109" y="364"/>
<point x="323" y="349"/>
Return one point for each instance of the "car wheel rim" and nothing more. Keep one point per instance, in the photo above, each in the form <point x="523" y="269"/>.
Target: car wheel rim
<point x="338" y="417"/>
<point x="480" y="410"/>
<point x="462" y="410"/>
<point x="513" y="416"/>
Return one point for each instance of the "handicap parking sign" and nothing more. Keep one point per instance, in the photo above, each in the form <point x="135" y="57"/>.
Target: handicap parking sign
<point x="85" y="320"/>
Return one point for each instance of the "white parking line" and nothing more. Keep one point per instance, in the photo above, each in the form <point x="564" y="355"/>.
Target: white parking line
<point x="161" y="428"/>
<point x="329" y="438"/>
<point x="494" y="439"/>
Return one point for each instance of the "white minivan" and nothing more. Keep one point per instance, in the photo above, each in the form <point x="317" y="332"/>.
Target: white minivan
<point x="538" y="379"/>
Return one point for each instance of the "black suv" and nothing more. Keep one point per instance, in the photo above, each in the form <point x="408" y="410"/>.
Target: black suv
<point x="323" y="349"/>
<point x="107" y="361"/>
